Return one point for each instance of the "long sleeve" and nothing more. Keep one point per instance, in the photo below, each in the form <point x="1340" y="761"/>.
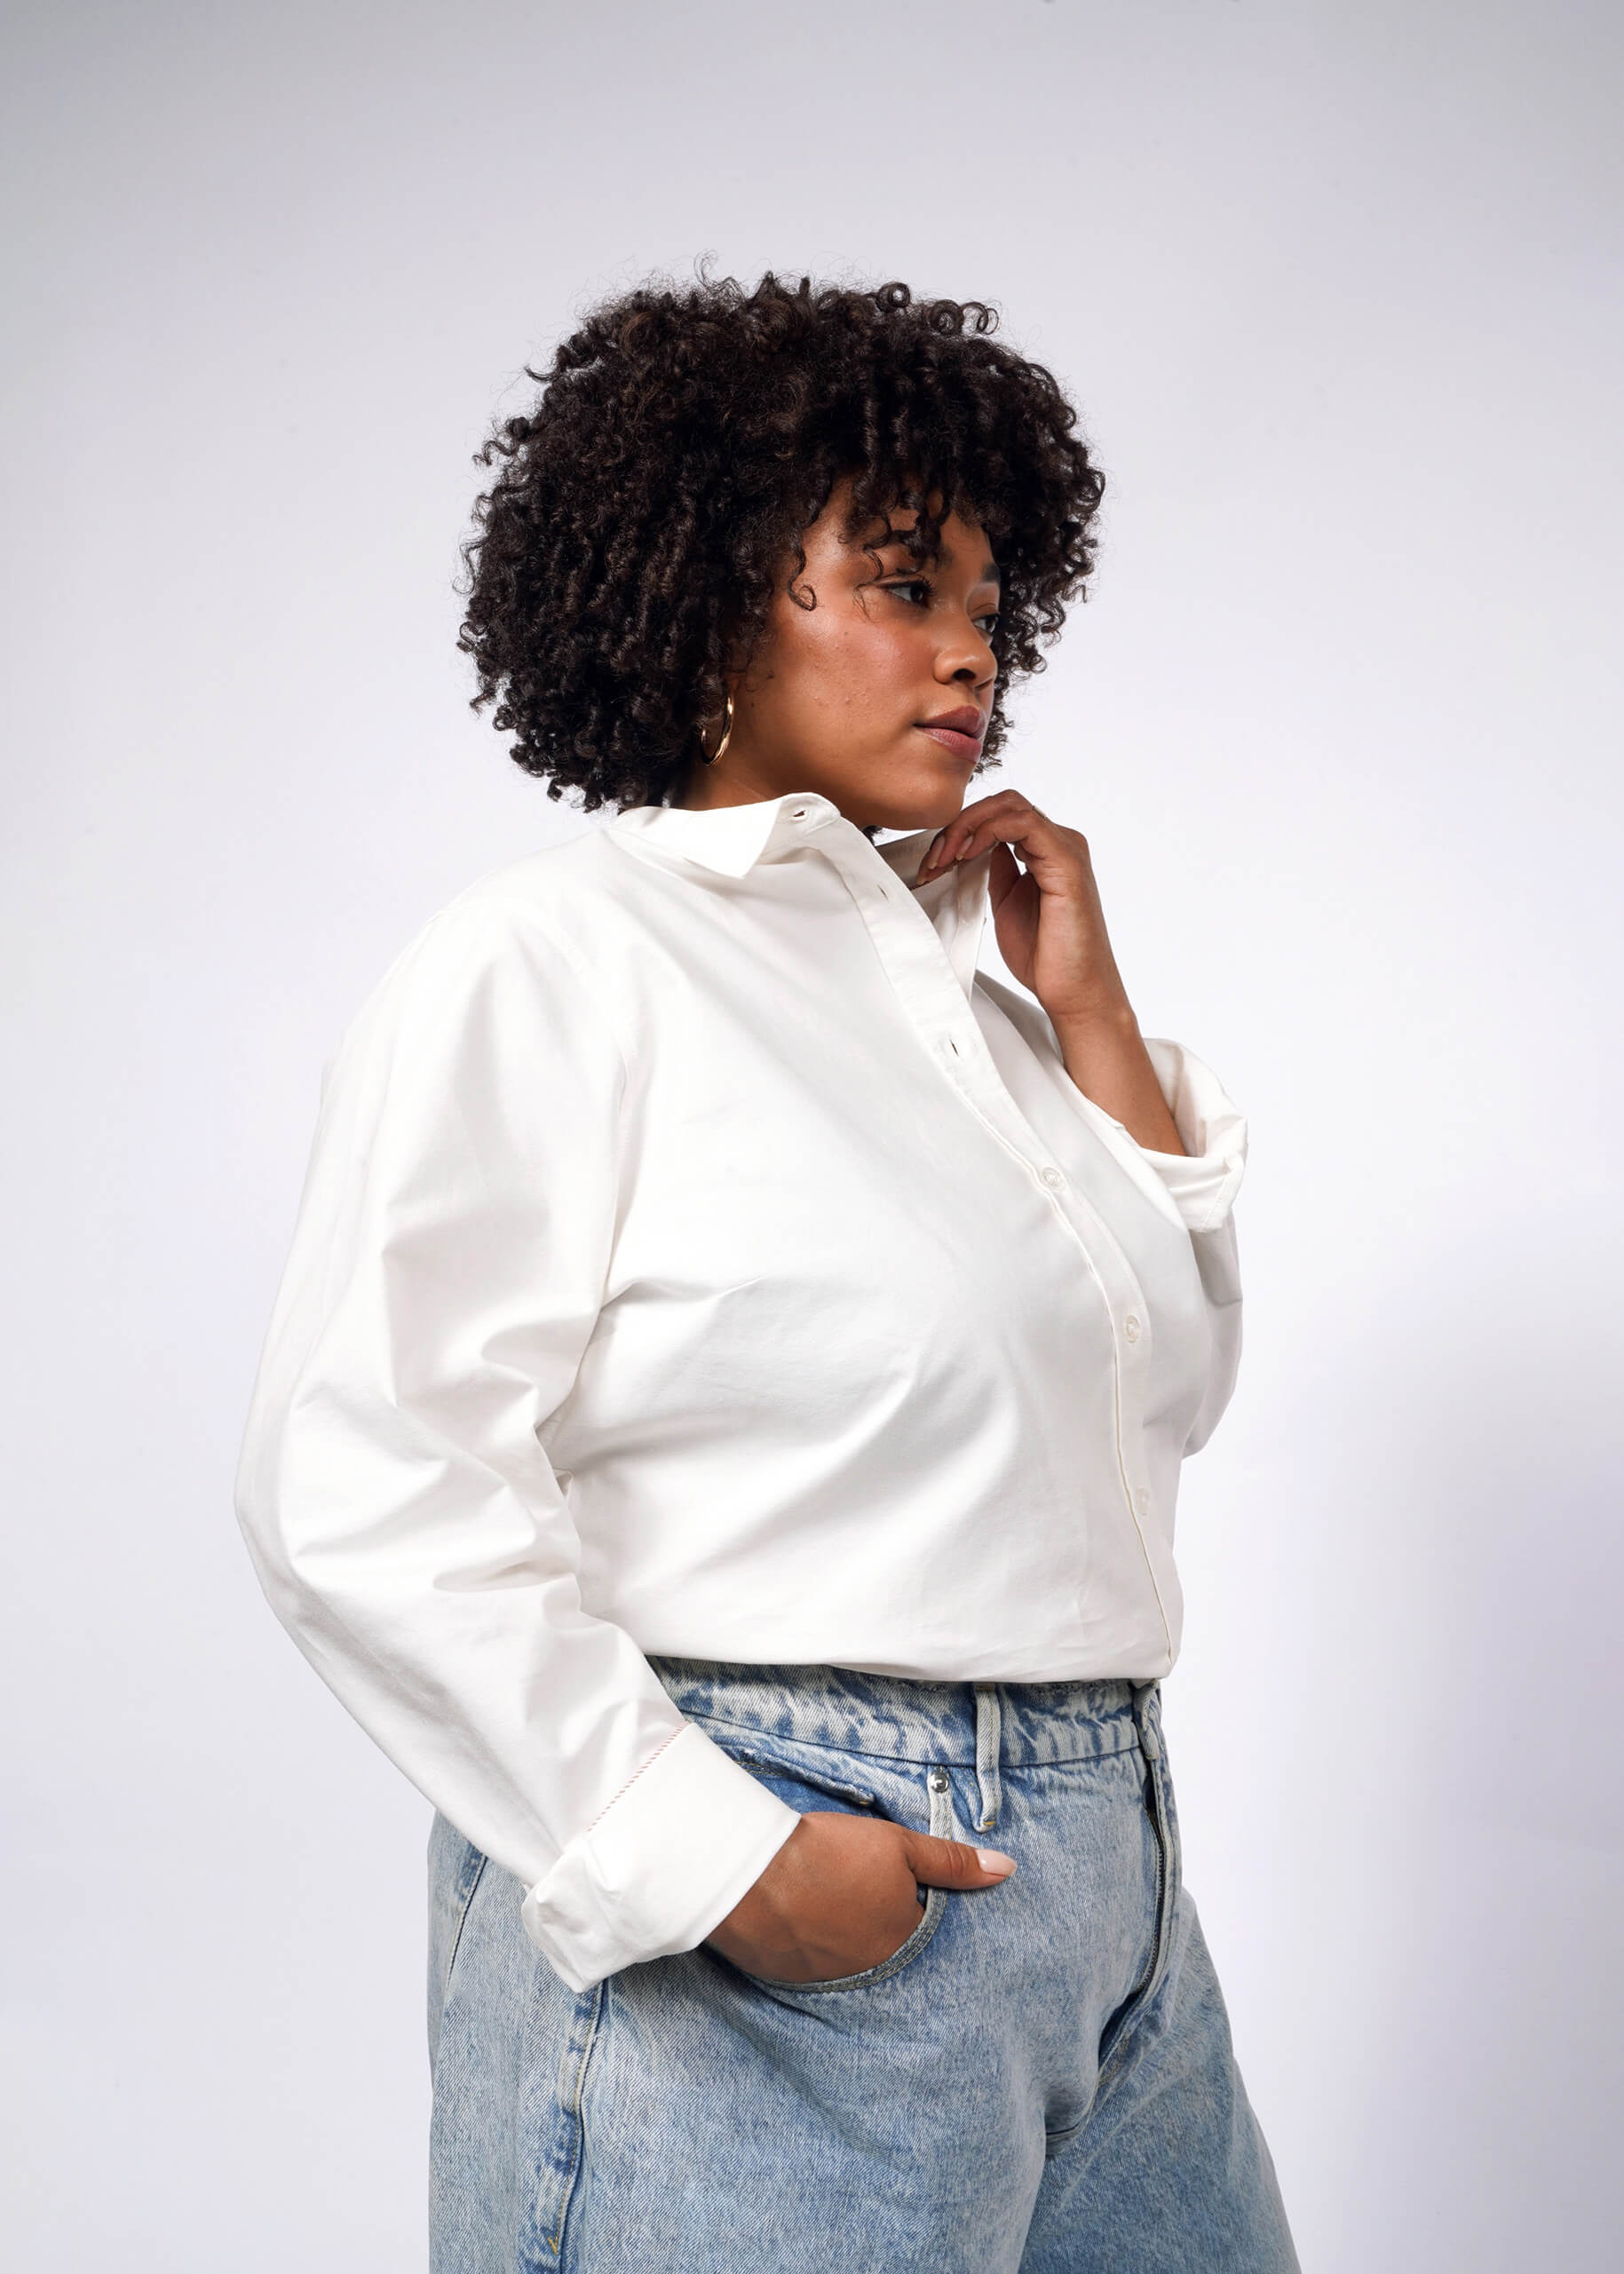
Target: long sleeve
<point x="447" y="1273"/>
<point x="1202" y="1182"/>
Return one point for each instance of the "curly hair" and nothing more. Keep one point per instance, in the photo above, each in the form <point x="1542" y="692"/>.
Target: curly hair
<point x="650" y="503"/>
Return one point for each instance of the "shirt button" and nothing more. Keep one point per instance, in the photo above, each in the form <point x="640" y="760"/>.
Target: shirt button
<point x="1141" y="1501"/>
<point x="1052" y="1179"/>
<point x="1130" y="1328"/>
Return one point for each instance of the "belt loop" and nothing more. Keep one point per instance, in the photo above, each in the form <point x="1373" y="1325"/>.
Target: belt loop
<point x="1146" y="1716"/>
<point x="989" y="1733"/>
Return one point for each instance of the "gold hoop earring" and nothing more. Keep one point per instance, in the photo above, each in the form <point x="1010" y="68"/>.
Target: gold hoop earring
<point x="710" y="756"/>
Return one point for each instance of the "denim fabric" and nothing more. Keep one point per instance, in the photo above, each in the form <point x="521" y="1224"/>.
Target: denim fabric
<point x="1040" y="2079"/>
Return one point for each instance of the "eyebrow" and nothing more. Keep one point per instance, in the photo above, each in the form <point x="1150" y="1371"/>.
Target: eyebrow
<point x="991" y="575"/>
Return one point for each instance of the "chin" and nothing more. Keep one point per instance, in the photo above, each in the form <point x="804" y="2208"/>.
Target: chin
<point x="919" y="796"/>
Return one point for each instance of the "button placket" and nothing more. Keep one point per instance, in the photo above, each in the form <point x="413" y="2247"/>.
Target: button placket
<point x="935" y="1004"/>
<point x="919" y="969"/>
<point x="916" y="961"/>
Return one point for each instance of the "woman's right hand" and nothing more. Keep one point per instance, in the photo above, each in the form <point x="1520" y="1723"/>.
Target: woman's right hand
<point x="842" y="1895"/>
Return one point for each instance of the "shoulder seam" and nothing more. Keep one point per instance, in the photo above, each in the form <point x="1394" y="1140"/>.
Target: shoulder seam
<point x="479" y="900"/>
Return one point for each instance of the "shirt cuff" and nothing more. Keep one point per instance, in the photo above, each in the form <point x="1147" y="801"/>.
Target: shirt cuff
<point x="666" y="1862"/>
<point x="1202" y="1182"/>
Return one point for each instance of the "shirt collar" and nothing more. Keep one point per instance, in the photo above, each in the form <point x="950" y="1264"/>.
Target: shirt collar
<point x="731" y="840"/>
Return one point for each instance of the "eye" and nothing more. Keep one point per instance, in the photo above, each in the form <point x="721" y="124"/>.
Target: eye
<point x="989" y="624"/>
<point x="914" y="590"/>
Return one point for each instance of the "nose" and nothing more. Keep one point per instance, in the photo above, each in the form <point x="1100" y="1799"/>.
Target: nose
<point x="967" y="659"/>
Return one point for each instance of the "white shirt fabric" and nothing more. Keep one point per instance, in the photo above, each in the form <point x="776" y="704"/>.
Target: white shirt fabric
<point x="700" y="1257"/>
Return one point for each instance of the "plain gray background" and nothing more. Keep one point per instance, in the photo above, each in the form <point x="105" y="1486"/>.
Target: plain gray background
<point x="1336" y="288"/>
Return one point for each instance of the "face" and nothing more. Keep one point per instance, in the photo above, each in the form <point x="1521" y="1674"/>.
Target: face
<point x="878" y="697"/>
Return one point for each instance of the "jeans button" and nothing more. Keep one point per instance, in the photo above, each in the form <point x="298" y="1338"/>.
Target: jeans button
<point x="939" y="1780"/>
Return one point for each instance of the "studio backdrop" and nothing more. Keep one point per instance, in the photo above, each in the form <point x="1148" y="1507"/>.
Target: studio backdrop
<point x="1336" y="289"/>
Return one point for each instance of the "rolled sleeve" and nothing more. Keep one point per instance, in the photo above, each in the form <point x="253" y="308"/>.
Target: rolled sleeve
<point x="664" y="1864"/>
<point x="1202" y="1184"/>
<point x="1203" y="1181"/>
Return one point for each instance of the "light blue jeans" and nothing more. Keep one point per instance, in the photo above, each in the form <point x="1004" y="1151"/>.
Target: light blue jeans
<point x="1040" y="2079"/>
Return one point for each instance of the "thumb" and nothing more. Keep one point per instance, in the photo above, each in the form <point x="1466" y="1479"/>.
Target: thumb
<point x="949" y="1863"/>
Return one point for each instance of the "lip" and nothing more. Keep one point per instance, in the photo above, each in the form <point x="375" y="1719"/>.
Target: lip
<point x="962" y="731"/>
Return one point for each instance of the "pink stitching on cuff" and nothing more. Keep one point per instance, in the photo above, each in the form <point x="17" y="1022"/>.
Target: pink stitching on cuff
<point x="632" y="1779"/>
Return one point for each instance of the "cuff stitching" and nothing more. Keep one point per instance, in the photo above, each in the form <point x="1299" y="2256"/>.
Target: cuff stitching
<point x="626" y="1787"/>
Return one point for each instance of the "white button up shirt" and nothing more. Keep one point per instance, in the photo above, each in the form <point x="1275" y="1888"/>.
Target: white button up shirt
<point x="700" y="1257"/>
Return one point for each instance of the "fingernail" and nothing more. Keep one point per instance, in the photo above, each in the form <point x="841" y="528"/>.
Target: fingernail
<point x="992" y="1860"/>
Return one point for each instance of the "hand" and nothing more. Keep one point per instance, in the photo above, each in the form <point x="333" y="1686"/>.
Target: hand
<point x="842" y="1895"/>
<point x="1050" y="929"/>
<point x="1050" y="926"/>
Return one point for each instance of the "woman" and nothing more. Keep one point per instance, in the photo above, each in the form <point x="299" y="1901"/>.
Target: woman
<point x="720" y="1424"/>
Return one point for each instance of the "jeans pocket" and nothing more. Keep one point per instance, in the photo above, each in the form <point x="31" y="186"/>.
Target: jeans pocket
<point x="940" y="1821"/>
<point x="1164" y="1822"/>
<point x="456" y="1868"/>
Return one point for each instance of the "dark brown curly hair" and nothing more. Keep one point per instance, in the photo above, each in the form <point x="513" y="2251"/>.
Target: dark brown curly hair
<point x="650" y="505"/>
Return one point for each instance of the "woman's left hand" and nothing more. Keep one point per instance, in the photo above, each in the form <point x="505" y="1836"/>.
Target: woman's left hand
<point x="1051" y="934"/>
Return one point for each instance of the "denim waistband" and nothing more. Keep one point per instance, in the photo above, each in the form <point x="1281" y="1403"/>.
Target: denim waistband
<point x="898" y="1720"/>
